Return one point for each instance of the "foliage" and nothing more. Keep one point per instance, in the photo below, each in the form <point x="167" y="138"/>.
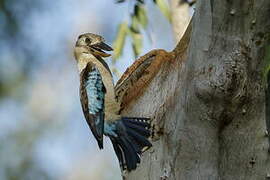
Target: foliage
<point x="138" y="22"/>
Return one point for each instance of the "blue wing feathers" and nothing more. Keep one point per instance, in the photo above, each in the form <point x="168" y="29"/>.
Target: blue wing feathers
<point x="95" y="92"/>
<point x="92" y="97"/>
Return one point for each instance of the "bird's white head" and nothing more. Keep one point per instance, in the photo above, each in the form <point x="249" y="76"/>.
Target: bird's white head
<point x="93" y="44"/>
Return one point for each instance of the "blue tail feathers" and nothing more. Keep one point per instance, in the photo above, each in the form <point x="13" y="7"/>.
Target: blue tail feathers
<point x="131" y="141"/>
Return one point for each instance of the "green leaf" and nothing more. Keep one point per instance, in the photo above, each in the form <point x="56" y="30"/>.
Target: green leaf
<point x="134" y="24"/>
<point x="136" y="43"/>
<point x="163" y="6"/>
<point x="120" y="40"/>
<point x="141" y="15"/>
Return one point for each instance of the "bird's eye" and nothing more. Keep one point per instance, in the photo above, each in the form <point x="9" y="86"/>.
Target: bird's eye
<point x="87" y="40"/>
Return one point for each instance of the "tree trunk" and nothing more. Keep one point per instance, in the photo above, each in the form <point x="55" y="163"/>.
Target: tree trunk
<point x="206" y="98"/>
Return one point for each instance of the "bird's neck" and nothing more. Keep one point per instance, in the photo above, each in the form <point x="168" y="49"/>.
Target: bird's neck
<point x="83" y="60"/>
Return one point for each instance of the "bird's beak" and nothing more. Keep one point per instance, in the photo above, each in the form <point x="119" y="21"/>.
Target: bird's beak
<point x="97" y="49"/>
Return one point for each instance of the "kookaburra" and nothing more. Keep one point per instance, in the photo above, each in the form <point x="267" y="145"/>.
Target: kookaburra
<point x="100" y="107"/>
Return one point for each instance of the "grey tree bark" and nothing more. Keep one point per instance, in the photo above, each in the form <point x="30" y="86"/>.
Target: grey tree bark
<point x="207" y="97"/>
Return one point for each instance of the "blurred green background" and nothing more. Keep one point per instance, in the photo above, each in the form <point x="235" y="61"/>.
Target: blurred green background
<point x="43" y="134"/>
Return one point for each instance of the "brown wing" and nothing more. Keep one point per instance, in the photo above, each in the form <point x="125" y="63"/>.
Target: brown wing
<point x="139" y="75"/>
